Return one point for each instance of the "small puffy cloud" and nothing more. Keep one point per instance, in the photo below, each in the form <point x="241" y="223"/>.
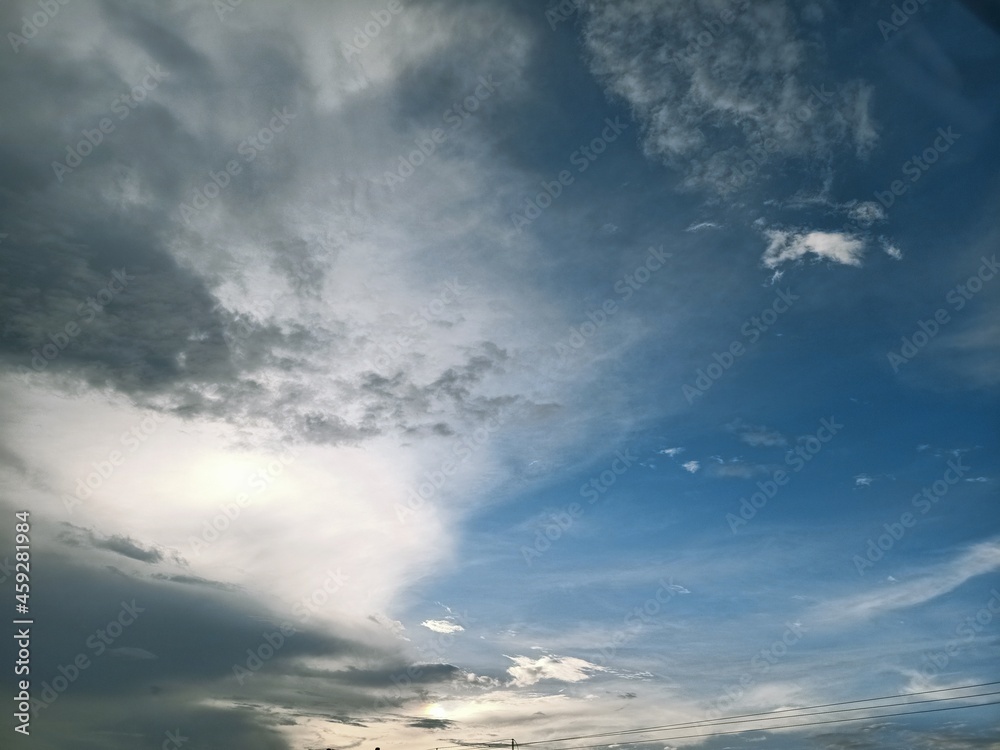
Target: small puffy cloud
<point x="756" y="435"/>
<point x="527" y="671"/>
<point x="891" y="249"/>
<point x="867" y="212"/>
<point x="692" y="466"/>
<point x="442" y="626"/>
<point x="863" y="480"/>
<point x="788" y="246"/>
<point x="672" y="451"/>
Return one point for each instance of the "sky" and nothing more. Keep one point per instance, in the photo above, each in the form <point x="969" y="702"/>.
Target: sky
<point x="425" y="373"/>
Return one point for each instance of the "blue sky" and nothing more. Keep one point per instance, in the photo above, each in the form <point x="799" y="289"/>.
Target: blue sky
<point x="424" y="373"/>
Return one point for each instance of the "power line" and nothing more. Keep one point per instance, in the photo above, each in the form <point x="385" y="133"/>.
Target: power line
<point x="766" y="715"/>
<point x="796" y="726"/>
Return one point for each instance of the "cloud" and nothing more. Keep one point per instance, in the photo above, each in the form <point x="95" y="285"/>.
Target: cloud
<point x="117" y="543"/>
<point x="702" y="225"/>
<point x="442" y="626"/>
<point x="789" y="246"/>
<point x="692" y="466"/>
<point x="756" y="435"/>
<point x="527" y="671"/>
<point x="867" y="212"/>
<point x="672" y="452"/>
<point x="863" y="480"/>
<point x="701" y="85"/>
<point x="977" y="560"/>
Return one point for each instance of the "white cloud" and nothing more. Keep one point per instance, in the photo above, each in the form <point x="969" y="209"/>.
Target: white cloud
<point x="788" y="246"/>
<point x="672" y="451"/>
<point x="442" y="626"/>
<point x="977" y="560"/>
<point x="863" y="480"/>
<point x="527" y="671"/>
<point x="891" y="249"/>
<point x="726" y="91"/>
<point x="867" y="212"/>
<point x="692" y="466"/>
<point x="702" y="225"/>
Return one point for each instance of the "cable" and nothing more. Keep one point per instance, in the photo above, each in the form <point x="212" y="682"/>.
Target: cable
<point x="764" y="715"/>
<point x="796" y="726"/>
